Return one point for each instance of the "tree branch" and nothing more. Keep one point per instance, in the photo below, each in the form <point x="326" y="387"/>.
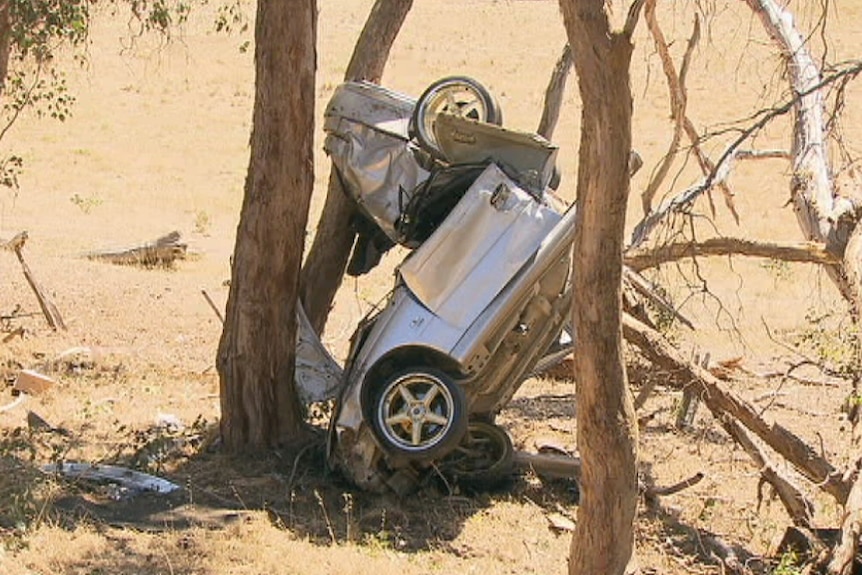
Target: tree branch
<point x="806" y="252"/>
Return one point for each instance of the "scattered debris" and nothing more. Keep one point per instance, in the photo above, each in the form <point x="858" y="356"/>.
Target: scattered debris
<point x="37" y="423"/>
<point x="32" y="382"/>
<point x="163" y="251"/>
<point x="10" y="406"/>
<point x="559" y="522"/>
<point x="133" y="482"/>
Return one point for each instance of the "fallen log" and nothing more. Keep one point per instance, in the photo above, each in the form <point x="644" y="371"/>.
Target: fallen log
<point x="724" y="403"/>
<point x="163" y="251"/>
<point x="800" y="509"/>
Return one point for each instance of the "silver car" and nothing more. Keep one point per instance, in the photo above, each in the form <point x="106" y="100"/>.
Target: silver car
<point x="480" y="300"/>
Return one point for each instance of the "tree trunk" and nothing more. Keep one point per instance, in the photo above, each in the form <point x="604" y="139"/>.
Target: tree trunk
<point x="327" y="258"/>
<point x="257" y="351"/>
<point x="5" y="42"/>
<point x="607" y="433"/>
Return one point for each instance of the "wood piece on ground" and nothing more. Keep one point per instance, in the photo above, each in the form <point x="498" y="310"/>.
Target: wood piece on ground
<point x="678" y="486"/>
<point x="212" y="305"/>
<point x="52" y="314"/>
<point x="722" y="402"/>
<point x="163" y="251"/>
<point x="32" y="382"/>
<point x="559" y="522"/>
<point x="549" y="465"/>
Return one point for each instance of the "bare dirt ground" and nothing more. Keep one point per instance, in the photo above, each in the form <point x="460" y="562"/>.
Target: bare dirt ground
<point x="159" y="141"/>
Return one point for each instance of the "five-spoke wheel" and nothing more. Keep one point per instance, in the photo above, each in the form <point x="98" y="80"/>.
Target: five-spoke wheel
<point x="419" y="414"/>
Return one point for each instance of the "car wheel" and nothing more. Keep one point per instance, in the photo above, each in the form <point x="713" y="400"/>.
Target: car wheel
<point x="419" y="414"/>
<point x="483" y="458"/>
<point x="458" y="95"/>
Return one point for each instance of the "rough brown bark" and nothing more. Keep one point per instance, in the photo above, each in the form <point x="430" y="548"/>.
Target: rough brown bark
<point x="607" y="430"/>
<point x="330" y="250"/>
<point x="257" y="351"/>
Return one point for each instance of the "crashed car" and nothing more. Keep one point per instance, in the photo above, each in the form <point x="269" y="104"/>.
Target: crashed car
<point x="478" y="304"/>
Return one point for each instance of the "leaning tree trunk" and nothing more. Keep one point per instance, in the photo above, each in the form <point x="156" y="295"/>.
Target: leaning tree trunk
<point x="607" y="432"/>
<point x="327" y="258"/>
<point x="257" y="351"/>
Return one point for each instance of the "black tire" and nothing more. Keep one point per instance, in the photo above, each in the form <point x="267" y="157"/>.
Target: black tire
<point x="447" y="95"/>
<point x="418" y="414"/>
<point x="483" y="459"/>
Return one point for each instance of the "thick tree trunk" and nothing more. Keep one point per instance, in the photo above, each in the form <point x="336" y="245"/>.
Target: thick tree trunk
<point x="607" y="432"/>
<point x="5" y="42"/>
<point x="327" y="258"/>
<point x="257" y="351"/>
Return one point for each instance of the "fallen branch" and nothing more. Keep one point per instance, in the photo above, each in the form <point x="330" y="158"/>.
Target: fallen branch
<point x="722" y="402"/>
<point x="163" y="251"/>
<point x="549" y="465"/>
<point x="807" y="252"/>
<point x="799" y="508"/>
<point x="49" y="310"/>
<point x="212" y="305"/>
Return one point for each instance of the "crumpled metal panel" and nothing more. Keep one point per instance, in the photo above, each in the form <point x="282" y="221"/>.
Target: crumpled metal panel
<point x="492" y="232"/>
<point x="367" y="140"/>
<point x="318" y="376"/>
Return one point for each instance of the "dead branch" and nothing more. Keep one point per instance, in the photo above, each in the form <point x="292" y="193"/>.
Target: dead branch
<point x="799" y="508"/>
<point x="677" y="487"/>
<point x="722" y="402"/>
<point x="49" y="310"/>
<point x="212" y="305"/>
<point x="549" y="464"/>
<point x="678" y="96"/>
<point x="163" y="251"/>
<point x="554" y="94"/>
<point x="807" y="252"/>
<point x="722" y="167"/>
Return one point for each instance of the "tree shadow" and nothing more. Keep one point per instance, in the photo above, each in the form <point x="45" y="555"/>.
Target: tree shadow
<point x="292" y="487"/>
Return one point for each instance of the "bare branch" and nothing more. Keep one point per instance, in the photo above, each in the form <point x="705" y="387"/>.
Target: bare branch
<point x="806" y="252"/>
<point x="678" y="96"/>
<point x="723" y="166"/>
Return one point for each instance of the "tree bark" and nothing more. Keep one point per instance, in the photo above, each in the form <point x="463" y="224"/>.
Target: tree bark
<point x="554" y="94"/>
<point x="257" y="351"/>
<point x="330" y="250"/>
<point x="5" y="42"/>
<point x="607" y="430"/>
